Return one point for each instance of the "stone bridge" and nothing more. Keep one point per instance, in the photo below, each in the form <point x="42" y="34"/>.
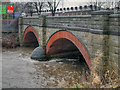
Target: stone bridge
<point x="90" y="36"/>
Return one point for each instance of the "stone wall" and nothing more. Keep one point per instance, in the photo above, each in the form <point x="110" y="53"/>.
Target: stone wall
<point x="114" y="43"/>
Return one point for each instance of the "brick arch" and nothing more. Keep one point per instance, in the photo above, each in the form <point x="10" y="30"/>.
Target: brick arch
<point x="73" y="39"/>
<point x="30" y="29"/>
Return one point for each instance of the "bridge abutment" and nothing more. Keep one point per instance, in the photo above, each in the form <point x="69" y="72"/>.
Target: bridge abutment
<point x="100" y="54"/>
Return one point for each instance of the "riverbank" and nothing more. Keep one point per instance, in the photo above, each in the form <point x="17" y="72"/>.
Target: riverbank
<point x="19" y="71"/>
<point x="10" y="39"/>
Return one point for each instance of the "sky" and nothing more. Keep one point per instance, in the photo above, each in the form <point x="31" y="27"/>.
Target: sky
<point x="64" y="0"/>
<point x="67" y="3"/>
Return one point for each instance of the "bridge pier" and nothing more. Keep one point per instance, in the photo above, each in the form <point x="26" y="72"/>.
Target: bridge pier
<point x="39" y="54"/>
<point x="42" y="20"/>
<point x="20" y="26"/>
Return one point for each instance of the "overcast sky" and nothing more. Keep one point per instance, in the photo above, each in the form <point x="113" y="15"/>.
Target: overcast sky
<point x="63" y="0"/>
<point x="67" y="3"/>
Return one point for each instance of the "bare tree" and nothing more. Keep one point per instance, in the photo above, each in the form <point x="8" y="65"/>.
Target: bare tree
<point x="41" y="6"/>
<point x="102" y="3"/>
<point x="38" y="6"/>
<point x="30" y="7"/>
<point x="18" y="6"/>
<point x="53" y="6"/>
<point x="35" y="7"/>
<point x="96" y="3"/>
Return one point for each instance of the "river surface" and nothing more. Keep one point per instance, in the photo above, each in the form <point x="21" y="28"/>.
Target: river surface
<point x="19" y="71"/>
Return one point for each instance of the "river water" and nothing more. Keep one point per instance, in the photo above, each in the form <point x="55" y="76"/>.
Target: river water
<point x="19" y="71"/>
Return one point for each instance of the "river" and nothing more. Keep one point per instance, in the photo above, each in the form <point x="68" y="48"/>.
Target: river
<point x="19" y="71"/>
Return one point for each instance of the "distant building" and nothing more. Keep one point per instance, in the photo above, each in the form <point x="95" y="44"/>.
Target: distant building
<point x="70" y="11"/>
<point x="86" y="10"/>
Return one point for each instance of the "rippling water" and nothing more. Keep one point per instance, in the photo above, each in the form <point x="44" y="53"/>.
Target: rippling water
<point x="19" y="71"/>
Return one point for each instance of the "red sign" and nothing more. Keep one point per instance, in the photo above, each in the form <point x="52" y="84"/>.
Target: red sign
<point x="9" y="8"/>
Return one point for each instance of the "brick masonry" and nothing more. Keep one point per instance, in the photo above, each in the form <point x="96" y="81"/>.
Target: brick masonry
<point x="99" y="32"/>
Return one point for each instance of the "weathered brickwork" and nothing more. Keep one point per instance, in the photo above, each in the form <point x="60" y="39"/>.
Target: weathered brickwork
<point x="76" y="21"/>
<point x="99" y="32"/>
<point x="114" y="21"/>
<point x="114" y="52"/>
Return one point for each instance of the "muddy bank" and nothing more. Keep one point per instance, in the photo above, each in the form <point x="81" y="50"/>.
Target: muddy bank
<point x="10" y="39"/>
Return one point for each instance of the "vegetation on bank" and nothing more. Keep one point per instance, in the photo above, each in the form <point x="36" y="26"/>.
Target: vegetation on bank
<point x="101" y="77"/>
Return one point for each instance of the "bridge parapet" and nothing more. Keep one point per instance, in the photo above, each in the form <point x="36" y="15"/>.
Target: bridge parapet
<point x="31" y="20"/>
<point x="69" y="21"/>
<point x="95" y="23"/>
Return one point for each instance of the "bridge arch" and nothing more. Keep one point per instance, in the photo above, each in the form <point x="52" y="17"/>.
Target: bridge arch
<point x="30" y="36"/>
<point x="68" y="36"/>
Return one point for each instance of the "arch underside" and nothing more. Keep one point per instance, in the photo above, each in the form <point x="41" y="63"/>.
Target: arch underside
<point x="30" y="37"/>
<point x="66" y="42"/>
<point x="65" y="48"/>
